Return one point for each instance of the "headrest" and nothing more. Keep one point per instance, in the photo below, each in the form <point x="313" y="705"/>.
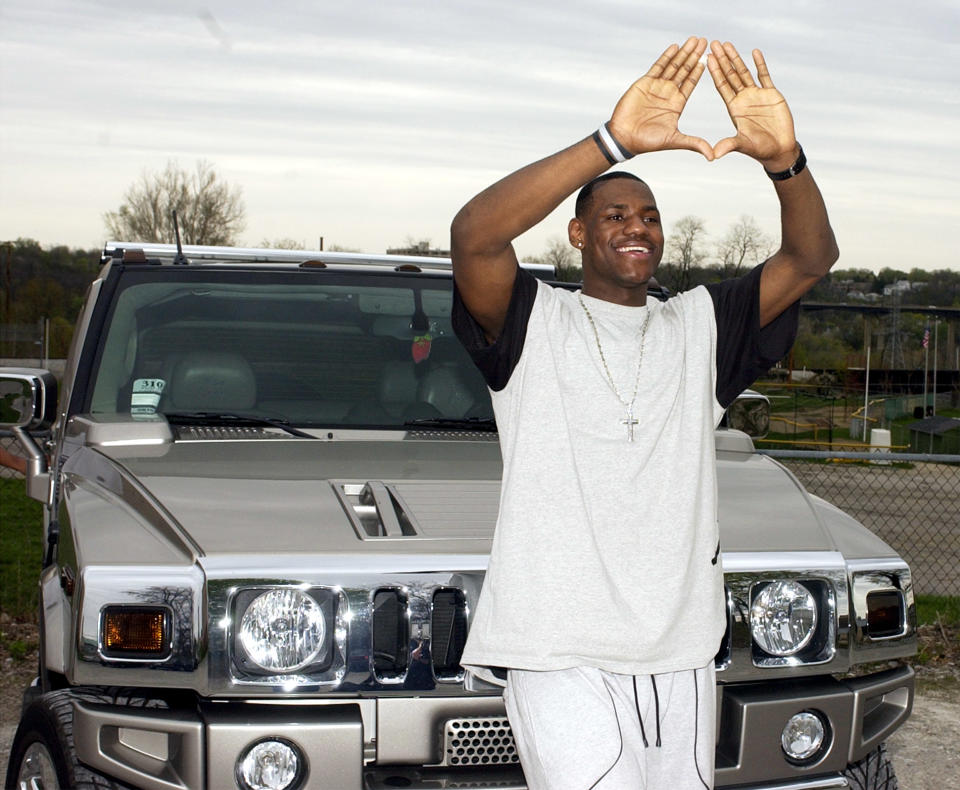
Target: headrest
<point x="443" y="387"/>
<point x="212" y="381"/>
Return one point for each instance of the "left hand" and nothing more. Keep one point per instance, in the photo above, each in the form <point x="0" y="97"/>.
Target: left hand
<point x="760" y="113"/>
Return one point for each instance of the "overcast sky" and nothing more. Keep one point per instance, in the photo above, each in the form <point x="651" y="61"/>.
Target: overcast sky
<point x="369" y="123"/>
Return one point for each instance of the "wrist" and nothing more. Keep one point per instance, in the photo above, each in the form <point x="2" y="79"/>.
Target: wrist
<point x="786" y="165"/>
<point x="610" y="146"/>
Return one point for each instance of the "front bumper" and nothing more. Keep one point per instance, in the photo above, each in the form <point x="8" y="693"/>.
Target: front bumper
<point x="369" y="744"/>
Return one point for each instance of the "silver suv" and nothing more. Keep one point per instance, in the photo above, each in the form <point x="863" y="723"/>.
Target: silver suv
<point x="270" y="488"/>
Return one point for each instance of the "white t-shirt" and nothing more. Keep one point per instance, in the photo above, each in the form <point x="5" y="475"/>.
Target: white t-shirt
<point x="606" y="552"/>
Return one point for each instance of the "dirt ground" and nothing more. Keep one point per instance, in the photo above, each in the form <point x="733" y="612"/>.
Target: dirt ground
<point x="924" y="751"/>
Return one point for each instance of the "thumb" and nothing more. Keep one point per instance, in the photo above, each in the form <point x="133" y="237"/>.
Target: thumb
<point x="725" y="146"/>
<point x="698" y="144"/>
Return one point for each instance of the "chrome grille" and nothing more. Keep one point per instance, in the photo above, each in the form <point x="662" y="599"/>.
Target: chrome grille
<point x="487" y="741"/>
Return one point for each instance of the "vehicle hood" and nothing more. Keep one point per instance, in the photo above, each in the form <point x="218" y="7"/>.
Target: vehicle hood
<point x="293" y="496"/>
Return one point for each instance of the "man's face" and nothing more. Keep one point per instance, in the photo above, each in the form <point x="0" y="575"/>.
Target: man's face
<point x="622" y="241"/>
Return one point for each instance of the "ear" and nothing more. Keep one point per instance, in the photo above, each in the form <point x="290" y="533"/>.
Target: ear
<point x="575" y="233"/>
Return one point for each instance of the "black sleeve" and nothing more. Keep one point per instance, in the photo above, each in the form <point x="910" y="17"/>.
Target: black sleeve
<point x="497" y="360"/>
<point x="744" y="351"/>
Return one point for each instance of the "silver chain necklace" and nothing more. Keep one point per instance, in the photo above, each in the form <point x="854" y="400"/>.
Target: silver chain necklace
<point x="630" y="420"/>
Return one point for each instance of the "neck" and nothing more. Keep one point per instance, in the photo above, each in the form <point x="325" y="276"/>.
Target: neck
<point x="628" y="296"/>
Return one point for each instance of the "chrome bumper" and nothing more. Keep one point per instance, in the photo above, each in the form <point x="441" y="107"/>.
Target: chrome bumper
<point x="374" y="744"/>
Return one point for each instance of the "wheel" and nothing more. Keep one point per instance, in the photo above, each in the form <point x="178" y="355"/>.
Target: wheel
<point x="873" y="772"/>
<point x="43" y="757"/>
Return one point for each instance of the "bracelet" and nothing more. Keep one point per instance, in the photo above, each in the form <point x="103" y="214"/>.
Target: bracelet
<point x="795" y="169"/>
<point x="609" y="146"/>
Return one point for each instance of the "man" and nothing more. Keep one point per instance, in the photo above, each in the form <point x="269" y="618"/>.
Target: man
<point x="603" y="602"/>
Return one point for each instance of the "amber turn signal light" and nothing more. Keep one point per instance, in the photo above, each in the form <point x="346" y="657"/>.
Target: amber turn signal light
<point x="885" y="615"/>
<point x="141" y="632"/>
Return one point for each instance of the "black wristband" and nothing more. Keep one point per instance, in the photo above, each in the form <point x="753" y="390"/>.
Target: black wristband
<point x="795" y="169"/>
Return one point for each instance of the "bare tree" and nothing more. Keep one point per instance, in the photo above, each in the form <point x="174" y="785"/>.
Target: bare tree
<point x="685" y="249"/>
<point x="562" y="257"/>
<point x="744" y="244"/>
<point x="209" y="211"/>
<point x="284" y="243"/>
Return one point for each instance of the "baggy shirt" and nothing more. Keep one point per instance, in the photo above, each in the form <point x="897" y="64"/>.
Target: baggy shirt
<point x="606" y="551"/>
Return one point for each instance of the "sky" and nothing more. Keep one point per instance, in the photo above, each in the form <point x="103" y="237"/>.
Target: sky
<point x="370" y="124"/>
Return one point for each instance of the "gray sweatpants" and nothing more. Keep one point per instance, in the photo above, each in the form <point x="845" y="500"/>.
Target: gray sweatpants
<point x="586" y="729"/>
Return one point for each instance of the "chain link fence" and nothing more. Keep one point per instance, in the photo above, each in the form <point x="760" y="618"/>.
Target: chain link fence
<point x="911" y="501"/>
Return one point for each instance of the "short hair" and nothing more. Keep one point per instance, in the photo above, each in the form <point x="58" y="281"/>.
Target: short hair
<point x="583" y="199"/>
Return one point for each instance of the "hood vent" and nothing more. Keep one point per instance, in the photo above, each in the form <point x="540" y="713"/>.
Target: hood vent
<point x="375" y="510"/>
<point x="207" y="433"/>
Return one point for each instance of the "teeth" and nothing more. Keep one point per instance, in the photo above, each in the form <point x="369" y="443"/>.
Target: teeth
<point x="633" y="249"/>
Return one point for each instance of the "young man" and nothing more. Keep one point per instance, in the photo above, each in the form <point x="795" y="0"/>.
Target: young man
<point x="603" y="603"/>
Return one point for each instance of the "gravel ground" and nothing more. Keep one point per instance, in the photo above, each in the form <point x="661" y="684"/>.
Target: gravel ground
<point x="924" y="751"/>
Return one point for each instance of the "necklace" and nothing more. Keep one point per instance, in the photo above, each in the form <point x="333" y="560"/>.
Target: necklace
<point x="630" y="420"/>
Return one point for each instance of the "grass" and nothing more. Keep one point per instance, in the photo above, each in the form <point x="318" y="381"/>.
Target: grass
<point x="21" y="526"/>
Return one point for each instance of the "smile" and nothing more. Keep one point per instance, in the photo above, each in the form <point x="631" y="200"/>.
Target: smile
<point x="633" y="248"/>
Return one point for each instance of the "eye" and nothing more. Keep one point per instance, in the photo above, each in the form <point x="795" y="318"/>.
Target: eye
<point x="615" y="217"/>
<point x="652" y="220"/>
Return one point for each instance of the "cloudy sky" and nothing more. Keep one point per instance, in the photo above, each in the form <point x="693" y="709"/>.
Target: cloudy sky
<point x="371" y="123"/>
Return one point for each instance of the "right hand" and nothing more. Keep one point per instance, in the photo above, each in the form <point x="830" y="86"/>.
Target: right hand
<point x="646" y="117"/>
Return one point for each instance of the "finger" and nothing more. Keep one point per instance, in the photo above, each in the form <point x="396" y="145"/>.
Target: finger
<point x="690" y="62"/>
<point x="763" y="74"/>
<point x="723" y="87"/>
<point x="729" y="72"/>
<point x="691" y="80"/>
<point x="678" y="62"/>
<point x="656" y="70"/>
<point x="725" y="146"/>
<point x="742" y="71"/>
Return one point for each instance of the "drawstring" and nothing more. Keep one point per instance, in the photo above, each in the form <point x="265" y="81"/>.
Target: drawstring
<point x="656" y="700"/>
<point x="636" y="701"/>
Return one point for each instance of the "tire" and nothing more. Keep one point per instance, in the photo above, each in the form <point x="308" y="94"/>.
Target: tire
<point x="43" y="750"/>
<point x="873" y="772"/>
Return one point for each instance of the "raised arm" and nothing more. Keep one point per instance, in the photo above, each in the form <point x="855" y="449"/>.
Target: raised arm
<point x="765" y="132"/>
<point x="645" y="119"/>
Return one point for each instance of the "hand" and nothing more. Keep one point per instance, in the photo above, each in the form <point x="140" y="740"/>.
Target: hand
<point x="760" y="114"/>
<point x="645" y="119"/>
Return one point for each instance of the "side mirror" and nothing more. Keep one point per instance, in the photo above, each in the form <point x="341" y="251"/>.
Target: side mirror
<point x="750" y="413"/>
<point x="28" y="402"/>
<point x="28" y="398"/>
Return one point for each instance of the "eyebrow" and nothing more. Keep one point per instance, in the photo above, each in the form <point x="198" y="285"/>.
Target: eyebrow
<point x="624" y="206"/>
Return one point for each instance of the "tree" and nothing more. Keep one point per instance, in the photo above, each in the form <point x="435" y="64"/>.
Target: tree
<point x="685" y="249"/>
<point x="208" y="210"/>
<point x="561" y="256"/>
<point x="744" y="243"/>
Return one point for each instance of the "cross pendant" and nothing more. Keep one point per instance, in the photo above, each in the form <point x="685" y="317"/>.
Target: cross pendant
<point x="630" y="422"/>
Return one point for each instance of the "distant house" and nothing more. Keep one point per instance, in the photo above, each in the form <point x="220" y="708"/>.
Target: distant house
<point x="935" y="435"/>
<point x="419" y="248"/>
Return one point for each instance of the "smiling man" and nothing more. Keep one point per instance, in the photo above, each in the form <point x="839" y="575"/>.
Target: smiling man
<point x="602" y="608"/>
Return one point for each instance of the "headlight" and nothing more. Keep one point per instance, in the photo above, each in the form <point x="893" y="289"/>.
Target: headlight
<point x="783" y="618"/>
<point x="283" y="630"/>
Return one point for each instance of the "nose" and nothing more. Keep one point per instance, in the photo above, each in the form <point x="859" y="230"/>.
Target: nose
<point x="634" y="226"/>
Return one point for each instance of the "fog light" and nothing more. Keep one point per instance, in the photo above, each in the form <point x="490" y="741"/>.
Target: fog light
<point x="803" y="736"/>
<point x="270" y="765"/>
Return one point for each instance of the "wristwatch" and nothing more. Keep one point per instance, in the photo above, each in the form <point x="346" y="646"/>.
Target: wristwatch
<point x="795" y="169"/>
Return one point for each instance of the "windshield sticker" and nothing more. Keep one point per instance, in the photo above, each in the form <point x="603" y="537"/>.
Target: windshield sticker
<point x="145" y="396"/>
<point x="421" y="347"/>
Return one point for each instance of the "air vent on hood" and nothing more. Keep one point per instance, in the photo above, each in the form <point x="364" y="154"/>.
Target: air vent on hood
<point x="375" y="510"/>
<point x="207" y="433"/>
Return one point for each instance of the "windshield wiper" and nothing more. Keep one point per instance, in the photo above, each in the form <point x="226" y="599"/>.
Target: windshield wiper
<point x="468" y="423"/>
<point x="230" y="418"/>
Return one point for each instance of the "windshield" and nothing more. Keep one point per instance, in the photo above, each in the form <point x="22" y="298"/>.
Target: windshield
<point x="310" y="348"/>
